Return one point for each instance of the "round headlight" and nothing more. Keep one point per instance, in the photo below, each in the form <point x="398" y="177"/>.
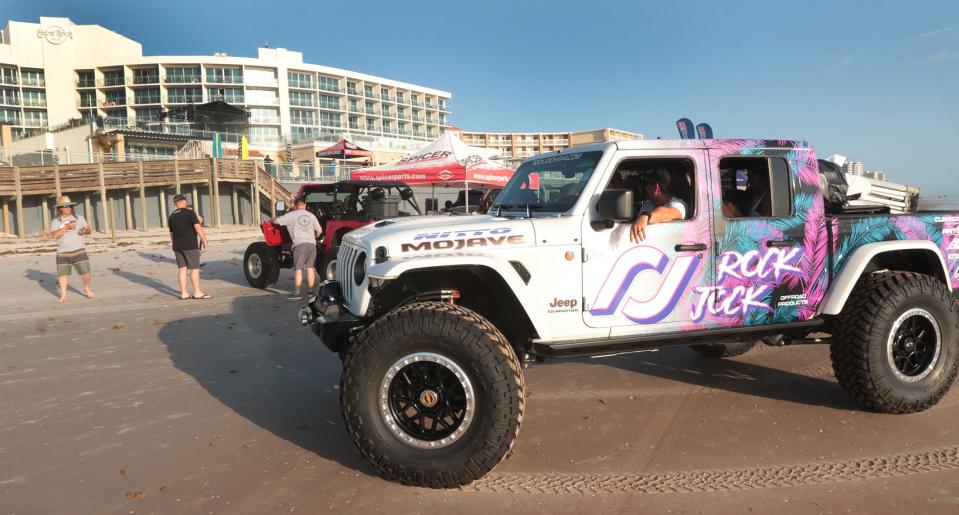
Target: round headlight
<point x="359" y="268"/>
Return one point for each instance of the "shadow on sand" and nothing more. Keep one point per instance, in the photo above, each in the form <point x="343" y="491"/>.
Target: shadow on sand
<point x="48" y="282"/>
<point x="266" y="368"/>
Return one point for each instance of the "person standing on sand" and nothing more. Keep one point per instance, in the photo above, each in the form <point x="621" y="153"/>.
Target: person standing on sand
<point x="185" y="227"/>
<point x="69" y="229"/>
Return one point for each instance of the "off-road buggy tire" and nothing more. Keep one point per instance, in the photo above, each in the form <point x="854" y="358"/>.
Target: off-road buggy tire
<point x="723" y="350"/>
<point x="261" y="265"/>
<point x="863" y="335"/>
<point x="326" y="265"/>
<point x="470" y="342"/>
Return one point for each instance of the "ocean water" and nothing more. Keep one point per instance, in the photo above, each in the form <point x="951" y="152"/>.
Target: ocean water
<point x="947" y="202"/>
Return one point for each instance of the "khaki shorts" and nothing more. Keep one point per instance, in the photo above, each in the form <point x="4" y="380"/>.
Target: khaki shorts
<point x="69" y="261"/>
<point x="304" y="256"/>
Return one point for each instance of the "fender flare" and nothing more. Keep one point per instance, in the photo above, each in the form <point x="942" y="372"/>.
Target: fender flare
<point x="851" y="271"/>
<point x="394" y="269"/>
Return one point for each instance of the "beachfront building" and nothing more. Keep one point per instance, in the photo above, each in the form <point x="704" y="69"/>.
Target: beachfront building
<point x="56" y="72"/>
<point x="516" y="146"/>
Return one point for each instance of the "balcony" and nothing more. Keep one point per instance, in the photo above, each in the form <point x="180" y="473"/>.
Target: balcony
<point x="34" y="82"/>
<point x="34" y="102"/>
<point x="355" y="109"/>
<point x="402" y="116"/>
<point x="331" y="89"/>
<point x="265" y="120"/>
<point x="146" y="79"/>
<point x="371" y="111"/>
<point x="325" y="105"/>
<point x="354" y="126"/>
<point x="86" y="83"/>
<point x="443" y="107"/>
<point x="115" y="102"/>
<point x="368" y="93"/>
<point x="149" y="99"/>
<point x="300" y="84"/>
<point x="111" y="82"/>
<point x="387" y="98"/>
<point x="87" y="102"/>
<point x="33" y="122"/>
<point x="301" y="103"/>
<point x="182" y="79"/>
<point x="188" y="99"/>
<point x="416" y="118"/>
<point x="4" y="101"/>
<point x="9" y="80"/>
<point x="352" y="91"/>
<point x="415" y="103"/>
<point x="474" y="142"/>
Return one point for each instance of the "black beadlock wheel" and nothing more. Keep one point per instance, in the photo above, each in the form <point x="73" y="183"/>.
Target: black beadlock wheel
<point x="895" y="345"/>
<point x="261" y="265"/>
<point x="432" y="395"/>
<point x="724" y="350"/>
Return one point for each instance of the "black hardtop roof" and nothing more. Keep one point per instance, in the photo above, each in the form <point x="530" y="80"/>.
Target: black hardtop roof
<point x="342" y="185"/>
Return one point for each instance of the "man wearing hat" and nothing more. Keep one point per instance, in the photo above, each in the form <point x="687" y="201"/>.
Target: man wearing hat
<point x="660" y="205"/>
<point x="69" y="228"/>
<point x="185" y="227"/>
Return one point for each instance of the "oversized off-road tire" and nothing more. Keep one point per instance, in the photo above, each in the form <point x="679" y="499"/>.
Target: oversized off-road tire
<point x="261" y="265"/>
<point x="326" y="265"/>
<point x="432" y="395"/>
<point x="895" y="345"/>
<point x="724" y="350"/>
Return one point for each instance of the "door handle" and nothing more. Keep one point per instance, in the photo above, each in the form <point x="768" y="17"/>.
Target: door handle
<point x="780" y="243"/>
<point x="694" y="247"/>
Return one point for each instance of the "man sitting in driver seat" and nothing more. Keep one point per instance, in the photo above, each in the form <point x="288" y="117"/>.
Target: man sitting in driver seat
<point x="660" y="205"/>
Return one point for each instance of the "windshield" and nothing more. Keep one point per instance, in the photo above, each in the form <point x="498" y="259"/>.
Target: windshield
<point x="550" y="184"/>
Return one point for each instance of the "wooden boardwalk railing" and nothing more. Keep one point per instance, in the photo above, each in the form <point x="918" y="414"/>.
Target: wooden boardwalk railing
<point x="51" y="181"/>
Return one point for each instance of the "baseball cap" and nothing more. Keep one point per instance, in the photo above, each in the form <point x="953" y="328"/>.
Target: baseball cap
<point x="178" y="197"/>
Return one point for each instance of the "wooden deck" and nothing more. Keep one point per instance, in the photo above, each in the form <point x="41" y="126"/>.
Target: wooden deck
<point x="51" y="181"/>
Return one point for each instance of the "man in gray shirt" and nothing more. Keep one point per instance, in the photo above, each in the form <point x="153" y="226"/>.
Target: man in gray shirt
<point x="69" y="229"/>
<point x="304" y="229"/>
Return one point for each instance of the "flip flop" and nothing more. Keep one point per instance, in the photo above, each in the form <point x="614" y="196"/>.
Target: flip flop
<point x="202" y="297"/>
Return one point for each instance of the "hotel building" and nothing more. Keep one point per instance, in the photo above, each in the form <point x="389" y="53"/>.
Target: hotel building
<point x="56" y="72"/>
<point x="516" y="146"/>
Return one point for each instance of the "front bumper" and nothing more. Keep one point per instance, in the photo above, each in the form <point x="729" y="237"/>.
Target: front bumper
<point x="327" y="318"/>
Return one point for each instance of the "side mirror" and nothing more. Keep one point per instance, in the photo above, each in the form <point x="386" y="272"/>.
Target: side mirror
<point x="406" y="193"/>
<point x="280" y="206"/>
<point x="616" y="206"/>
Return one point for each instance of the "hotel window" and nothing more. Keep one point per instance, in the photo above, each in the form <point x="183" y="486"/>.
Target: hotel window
<point x="302" y="117"/>
<point x="367" y="90"/>
<point x="151" y="114"/>
<point x="443" y="104"/>
<point x="86" y="79"/>
<point x="8" y="75"/>
<point x="225" y="75"/>
<point x="264" y="134"/>
<point x="115" y="98"/>
<point x="401" y="127"/>
<point x="10" y="115"/>
<point x="353" y="105"/>
<point x="32" y="78"/>
<point x="384" y="94"/>
<point x="34" y="98"/>
<point x="329" y="102"/>
<point x="184" y="95"/>
<point x="351" y="88"/>
<point x="329" y="119"/>
<point x="264" y="115"/>
<point x="262" y="97"/>
<point x="401" y="113"/>
<point x="146" y="96"/>
<point x="228" y="95"/>
<point x="430" y="132"/>
<point x="146" y="75"/>
<point x="370" y="125"/>
<point x="387" y="126"/>
<point x="399" y="97"/>
<point x="301" y="134"/>
<point x="300" y="80"/>
<point x="88" y="99"/>
<point x="369" y="107"/>
<point x="35" y="118"/>
<point x="386" y="110"/>
<point x="9" y="97"/>
<point x="415" y="100"/>
<point x="429" y="117"/>
<point x="183" y="74"/>
<point x="301" y="98"/>
<point x="354" y="122"/>
<point x="113" y="78"/>
<point x="329" y="84"/>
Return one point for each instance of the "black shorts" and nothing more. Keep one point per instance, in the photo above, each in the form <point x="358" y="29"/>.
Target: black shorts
<point x="188" y="258"/>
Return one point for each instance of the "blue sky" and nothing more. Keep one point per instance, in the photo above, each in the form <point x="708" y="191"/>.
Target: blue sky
<point x="873" y="80"/>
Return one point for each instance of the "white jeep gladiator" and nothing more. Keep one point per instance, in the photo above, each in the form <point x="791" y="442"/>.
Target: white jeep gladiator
<point x="620" y="247"/>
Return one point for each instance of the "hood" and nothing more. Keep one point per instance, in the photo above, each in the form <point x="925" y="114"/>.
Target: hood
<point x="415" y="236"/>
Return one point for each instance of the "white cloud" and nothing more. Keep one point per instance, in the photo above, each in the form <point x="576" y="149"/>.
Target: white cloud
<point x="942" y="57"/>
<point x="932" y="33"/>
<point x="845" y="60"/>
